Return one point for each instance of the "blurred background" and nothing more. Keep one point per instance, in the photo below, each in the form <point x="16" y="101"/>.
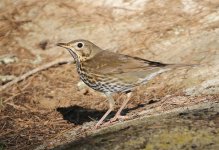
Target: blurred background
<point x="169" y="31"/>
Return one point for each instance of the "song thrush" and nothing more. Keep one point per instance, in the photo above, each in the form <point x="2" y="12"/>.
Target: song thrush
<point x="110" y="72"/>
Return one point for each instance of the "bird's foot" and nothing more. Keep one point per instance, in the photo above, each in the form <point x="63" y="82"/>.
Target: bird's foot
<point x="118" y="117"/>
<point x="114" y="119"/>
<point x="98" y="125"/>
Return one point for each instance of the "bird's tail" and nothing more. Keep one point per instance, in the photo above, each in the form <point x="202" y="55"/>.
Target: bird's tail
<point x="181" y="65"/>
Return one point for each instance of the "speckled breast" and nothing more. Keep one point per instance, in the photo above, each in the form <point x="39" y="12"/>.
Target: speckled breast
<point x="104" y="83"/>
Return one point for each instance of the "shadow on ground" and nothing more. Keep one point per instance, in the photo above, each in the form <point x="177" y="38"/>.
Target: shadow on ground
<point x="79" y="115"/>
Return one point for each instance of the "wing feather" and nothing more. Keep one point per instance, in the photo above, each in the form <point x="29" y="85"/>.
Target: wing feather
<point x="107" y="62"/>
<point x="127" y="68"/>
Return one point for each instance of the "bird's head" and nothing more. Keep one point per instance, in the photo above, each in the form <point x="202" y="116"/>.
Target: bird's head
<point x="81" y="49"/>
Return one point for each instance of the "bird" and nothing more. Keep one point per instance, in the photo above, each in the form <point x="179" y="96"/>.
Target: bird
<point x="109" y="72"/>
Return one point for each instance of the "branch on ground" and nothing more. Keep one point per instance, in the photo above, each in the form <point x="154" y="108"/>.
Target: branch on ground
<point x="36" y="70"/>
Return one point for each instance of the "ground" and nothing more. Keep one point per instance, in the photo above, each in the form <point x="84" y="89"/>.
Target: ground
<point x="191" y="128"/>
<point x="48" y="104"/>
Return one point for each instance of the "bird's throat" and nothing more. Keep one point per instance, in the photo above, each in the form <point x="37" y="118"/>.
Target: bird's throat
<point x="77" y="61"/>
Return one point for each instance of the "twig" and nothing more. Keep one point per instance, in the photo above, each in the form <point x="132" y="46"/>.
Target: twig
<point x="38" y="69"/>
<point x="17" y="107"/>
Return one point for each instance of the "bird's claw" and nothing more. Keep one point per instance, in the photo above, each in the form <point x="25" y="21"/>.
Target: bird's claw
<point x="114" y="119"/>
<point x="118" y="117"/>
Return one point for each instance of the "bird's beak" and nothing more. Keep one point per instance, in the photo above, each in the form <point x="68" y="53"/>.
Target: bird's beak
<point x="64" y="45"/>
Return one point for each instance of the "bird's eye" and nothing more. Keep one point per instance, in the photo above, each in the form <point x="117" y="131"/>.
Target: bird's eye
<point x="80" y="45"/>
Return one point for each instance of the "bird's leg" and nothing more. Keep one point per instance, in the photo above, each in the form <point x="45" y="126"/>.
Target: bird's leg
<point x="118" y="114"/>
<point x="111" y="107"/>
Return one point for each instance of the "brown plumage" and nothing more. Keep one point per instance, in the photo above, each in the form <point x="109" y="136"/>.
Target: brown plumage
<point x="110" y="72"/>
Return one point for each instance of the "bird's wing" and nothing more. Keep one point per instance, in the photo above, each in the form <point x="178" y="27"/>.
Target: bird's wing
<point x="127" y="68"/>
<point x="107" y="62"/>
